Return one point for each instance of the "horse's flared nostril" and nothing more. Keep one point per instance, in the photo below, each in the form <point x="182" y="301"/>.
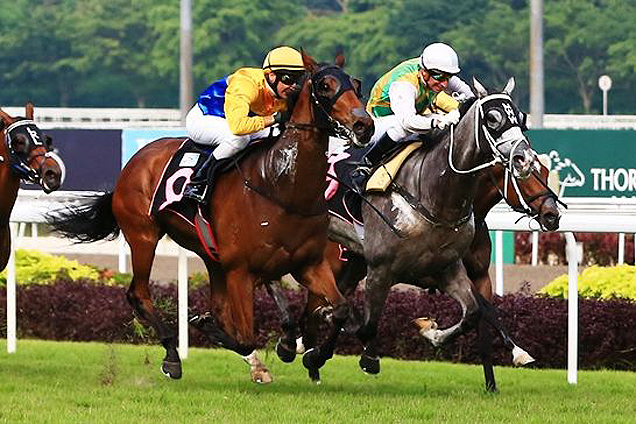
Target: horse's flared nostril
<point x="550" y="221"/>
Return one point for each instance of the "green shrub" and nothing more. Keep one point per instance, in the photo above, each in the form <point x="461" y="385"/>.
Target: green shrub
<point x="33" y="266"/>
<point x="598" y="282"/>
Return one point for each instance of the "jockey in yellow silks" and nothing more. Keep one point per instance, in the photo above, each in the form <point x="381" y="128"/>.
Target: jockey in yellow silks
<point x="246" y="105"/>
<point x="414" y="97"/>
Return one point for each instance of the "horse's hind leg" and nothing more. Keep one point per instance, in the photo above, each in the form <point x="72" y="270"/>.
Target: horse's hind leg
<point x="142" y="247"/>
<point x="457" y="285"/>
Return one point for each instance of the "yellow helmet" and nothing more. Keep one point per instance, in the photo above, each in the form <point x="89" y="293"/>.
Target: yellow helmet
<point x="285" y="58"/>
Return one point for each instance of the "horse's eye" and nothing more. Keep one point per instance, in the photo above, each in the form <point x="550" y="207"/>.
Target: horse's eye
<point x="494" y="119"/>
<point x="20" y="143"/>
<point x="324" y="86"/>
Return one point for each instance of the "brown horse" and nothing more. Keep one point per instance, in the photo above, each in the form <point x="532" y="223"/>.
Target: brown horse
<point x="25" y="153"/>
<point x="269" y="217"/>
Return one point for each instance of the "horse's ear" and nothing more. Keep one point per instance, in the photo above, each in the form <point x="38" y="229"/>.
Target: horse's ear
<point x="340" y="60"/>
<point x="29" y="110"/>
<point x="310" y="64"/>
<point x="481" y="91"/>
<point x="509" y="86"/>
<point x="5" y="119"/>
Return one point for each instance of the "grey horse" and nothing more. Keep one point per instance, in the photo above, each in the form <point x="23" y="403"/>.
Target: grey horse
<point x="430" y="208"/>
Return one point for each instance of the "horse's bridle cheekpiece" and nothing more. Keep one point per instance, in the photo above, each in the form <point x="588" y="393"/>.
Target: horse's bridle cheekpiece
<point x="336" y="129"/>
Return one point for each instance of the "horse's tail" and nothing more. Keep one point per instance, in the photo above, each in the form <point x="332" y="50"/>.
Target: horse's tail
<point x="89" y="221"/>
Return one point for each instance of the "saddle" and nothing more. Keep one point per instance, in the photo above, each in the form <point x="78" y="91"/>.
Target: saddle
<point x="342" y="201"/>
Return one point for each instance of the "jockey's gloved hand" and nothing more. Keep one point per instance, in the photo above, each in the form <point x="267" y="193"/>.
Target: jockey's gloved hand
<point x="443" y="121"/>
<point x="281" y="117"/>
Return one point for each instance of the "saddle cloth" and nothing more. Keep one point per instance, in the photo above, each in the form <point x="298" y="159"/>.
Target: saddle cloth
<point x="176" y="175"/>
<point x="342" y="201"/>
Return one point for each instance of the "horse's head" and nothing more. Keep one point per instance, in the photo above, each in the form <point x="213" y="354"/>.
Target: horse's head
<point x="531" y="196"/>
<point x="499" y="127"/>
<point x="31" y="155"/>
<point x="335" y="97"/>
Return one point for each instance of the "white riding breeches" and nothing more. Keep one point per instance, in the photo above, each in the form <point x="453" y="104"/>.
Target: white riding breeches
<point x="212" y="130"/>
<point x="390" y="125"/>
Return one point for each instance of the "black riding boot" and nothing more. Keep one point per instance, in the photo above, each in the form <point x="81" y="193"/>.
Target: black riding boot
<point x="198" y="185"/>
<point x="369" y="160"/>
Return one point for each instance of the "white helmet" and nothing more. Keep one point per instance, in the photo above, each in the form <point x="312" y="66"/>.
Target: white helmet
<point x="440" y="57"/>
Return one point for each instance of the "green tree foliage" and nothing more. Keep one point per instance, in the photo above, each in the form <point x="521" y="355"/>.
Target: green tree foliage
<point x="360" y="36"/>
<point x="126" y="52"/>
<point x="233" y="33"/>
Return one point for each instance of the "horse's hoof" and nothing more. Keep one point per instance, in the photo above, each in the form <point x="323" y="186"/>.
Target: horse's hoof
<point x="285" y="353"/>
<point x="314" y="375"/>
<point x="520" y="357"/>
<point x="171" y="369"/>
<point x="424" y="324"/>
<point x="492" y="388"/>
<point x="311" y="361"/>
<point x="261" y="376"/>
<point x="369" y="365"/>
<point x="300" y="346"/>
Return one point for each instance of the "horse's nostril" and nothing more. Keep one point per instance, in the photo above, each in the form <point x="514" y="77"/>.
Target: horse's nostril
<point x="359" y="128"/>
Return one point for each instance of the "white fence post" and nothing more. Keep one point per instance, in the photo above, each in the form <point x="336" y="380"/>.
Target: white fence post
<point x="499" y="262"/>
<point x="573" y="308"/>
<point x="183" y="303"/>
<point x="535" y="248"/>
<point x="122" y="254"/>
<point x="11" y="294"/>
<point x="621" y="248"/>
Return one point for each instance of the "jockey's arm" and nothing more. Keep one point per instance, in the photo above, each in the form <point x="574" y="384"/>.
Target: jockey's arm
<point x="240" y="93"/>
<point x="457" y="85"/>
<point x="402" y="96"/>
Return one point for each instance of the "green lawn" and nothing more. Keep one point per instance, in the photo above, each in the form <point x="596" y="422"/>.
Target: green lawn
<point x="91" y="382"/>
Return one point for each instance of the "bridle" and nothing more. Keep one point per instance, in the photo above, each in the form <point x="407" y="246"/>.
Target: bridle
<point x="19" y="162"/>
<point x="512" y="137"/>
<point x="322" y="105"/>
<point x="525" y="203"/>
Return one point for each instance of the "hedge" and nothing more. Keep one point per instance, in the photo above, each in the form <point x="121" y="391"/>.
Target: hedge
<point x="598" y="282"/>
<point x="93" y="312"/>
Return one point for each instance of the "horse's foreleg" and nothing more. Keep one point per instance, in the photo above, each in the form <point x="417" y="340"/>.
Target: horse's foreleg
<point x="286" y="345"/>
<point x="477" y="263"/>
<point x="142" y="255"/>
<point x="5" y="245"/>
<point x="319" y="280"/>
<point x="347" y="275"/>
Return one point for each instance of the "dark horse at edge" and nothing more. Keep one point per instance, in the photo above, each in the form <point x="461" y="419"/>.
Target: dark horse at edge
<point x="25" y="154"/>
<point x="268" y="213"/>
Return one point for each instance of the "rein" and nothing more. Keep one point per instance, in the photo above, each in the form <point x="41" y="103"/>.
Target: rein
<point x="319" y="210"/>
<point x="333" y="127"/>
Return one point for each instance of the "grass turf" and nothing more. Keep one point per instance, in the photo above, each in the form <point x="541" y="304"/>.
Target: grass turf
<point x="60" y="382"/>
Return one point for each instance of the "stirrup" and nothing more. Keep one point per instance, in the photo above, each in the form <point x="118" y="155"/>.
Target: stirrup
<point x="196" y="192"/>
<point x="360" y="177"/>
